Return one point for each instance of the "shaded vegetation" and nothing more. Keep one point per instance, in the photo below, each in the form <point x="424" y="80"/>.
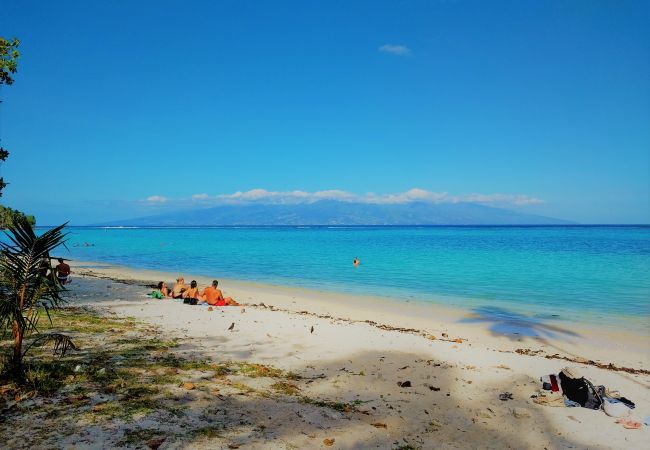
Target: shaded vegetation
<point x="125" y="372"/>
<point x="28" y="286"/>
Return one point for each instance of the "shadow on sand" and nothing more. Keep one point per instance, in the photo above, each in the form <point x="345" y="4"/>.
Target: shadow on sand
<point x="355" y="399"/>
<point x="510" y="324"/>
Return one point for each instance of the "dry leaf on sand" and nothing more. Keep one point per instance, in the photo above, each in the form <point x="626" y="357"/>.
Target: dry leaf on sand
<point x="329" y="442"/>
<point x="155" y="443"/>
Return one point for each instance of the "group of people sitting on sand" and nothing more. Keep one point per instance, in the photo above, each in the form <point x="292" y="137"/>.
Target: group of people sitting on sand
<point x="190" y="294"/>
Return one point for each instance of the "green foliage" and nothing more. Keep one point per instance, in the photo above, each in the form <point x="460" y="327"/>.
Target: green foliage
<point x="8" y="216"/>
<point x="8" y="66"/>
<point x="286" y="388"/>
<point x="26" y="285"/>
<point x="8" y="59"/>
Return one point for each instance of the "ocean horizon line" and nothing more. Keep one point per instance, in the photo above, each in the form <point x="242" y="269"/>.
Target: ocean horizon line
<point x="573" y="225"/>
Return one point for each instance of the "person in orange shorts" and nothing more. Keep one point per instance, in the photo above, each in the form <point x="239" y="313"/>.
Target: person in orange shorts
<point x="213" y="296"/>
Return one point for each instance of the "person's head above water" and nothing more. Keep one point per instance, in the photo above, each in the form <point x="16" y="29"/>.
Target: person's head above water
<point x="193" y="284"/>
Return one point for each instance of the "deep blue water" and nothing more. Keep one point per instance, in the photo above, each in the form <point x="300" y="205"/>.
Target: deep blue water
<point x="590" y="273"/>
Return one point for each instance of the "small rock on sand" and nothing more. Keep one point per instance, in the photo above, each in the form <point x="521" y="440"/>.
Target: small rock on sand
<point x="485" y="414"/>
<point x="520" y="413"/>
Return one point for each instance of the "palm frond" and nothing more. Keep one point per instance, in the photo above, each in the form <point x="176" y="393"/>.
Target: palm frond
<point x="25" y="263"/>
<point x="28" y="282"/>
<point x="62" y="343"/>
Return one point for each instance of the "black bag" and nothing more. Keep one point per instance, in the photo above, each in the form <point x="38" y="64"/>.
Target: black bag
<point x="580" y="391"/>
<point x="190" y="301"/>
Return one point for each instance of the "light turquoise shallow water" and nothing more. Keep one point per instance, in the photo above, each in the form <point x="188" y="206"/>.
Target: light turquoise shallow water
<point x="572" y="273"/>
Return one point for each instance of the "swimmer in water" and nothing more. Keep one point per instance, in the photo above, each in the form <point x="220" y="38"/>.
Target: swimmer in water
<point x="356" y="262"/>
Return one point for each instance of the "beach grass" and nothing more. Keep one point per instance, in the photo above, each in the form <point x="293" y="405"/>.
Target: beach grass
<point x="126" y="374"/>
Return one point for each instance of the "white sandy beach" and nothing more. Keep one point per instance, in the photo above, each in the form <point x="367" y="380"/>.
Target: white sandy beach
<point x="356" y="354"/>
<point x="628" y="347"/>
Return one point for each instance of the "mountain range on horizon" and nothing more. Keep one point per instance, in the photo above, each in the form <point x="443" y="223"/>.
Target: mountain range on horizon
<point x="330" y="212"/>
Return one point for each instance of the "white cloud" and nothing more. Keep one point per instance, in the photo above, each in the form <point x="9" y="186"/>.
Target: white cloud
<point x="334" y="194"/>
<point x="264" y="196"/>
<point x="252" y="195"/>
<point x="517" y="200"/>
<point x="413" y="195"/>
<point x="288" y="197"/>
<point x="399" y="50"/>
<point x="157" y="199"/>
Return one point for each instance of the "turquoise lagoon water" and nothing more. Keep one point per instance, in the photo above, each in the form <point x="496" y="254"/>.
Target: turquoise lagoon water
<point x="565" y="273"/>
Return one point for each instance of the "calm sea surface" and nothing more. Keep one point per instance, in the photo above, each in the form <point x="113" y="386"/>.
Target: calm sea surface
<point x="567" y="273"/>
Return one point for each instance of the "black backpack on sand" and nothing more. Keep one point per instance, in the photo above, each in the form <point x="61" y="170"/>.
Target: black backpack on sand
<point x="581" y="391"/>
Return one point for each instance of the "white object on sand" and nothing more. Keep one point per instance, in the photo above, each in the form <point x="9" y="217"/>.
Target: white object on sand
<point x="615" y="408"/>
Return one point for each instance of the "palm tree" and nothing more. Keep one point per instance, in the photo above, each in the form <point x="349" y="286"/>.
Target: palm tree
<point x="26" y="287"/>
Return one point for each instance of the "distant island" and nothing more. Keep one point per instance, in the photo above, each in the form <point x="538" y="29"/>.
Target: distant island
<point x="330" y="212"/>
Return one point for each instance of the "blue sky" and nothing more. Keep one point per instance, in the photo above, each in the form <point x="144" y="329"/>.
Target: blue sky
<point x="540" y="106"/>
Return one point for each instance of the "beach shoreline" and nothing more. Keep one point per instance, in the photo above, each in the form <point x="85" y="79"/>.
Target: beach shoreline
<point x="498" y="328"/>
<point x="594" y="276"/>
<point x="294" y="368"/>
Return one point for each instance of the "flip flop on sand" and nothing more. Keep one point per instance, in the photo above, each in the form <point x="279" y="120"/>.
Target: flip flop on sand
<point x="629" y="424"/>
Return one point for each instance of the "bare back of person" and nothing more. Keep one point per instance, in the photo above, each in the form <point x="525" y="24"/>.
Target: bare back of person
<point x="63" y="270"/>
<point x="212" y="295"/>
<point x="191" y="293"/>
<point x="179" y="288"/>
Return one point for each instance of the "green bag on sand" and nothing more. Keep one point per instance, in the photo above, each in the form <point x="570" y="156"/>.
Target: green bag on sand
<point x="156" y="294"/>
